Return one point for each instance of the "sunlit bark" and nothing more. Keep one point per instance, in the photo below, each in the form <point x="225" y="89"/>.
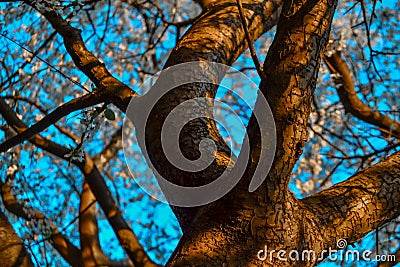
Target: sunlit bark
<point x="12" y="250"/>
<point x="232" y="230"/>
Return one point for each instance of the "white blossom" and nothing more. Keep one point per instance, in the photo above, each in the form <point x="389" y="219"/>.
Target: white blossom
<point x="12" y="169"/>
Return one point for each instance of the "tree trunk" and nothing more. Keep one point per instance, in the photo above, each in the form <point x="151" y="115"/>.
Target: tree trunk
<point x="12" y="250"/>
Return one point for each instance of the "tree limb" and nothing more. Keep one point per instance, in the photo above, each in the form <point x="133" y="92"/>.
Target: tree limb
<point x="119" y="93"/>
<point x="92" y="253"/>
<point x="63" y="110"/>
<point x="352" y="104"/>
<point x="12" y="250"/>
<point x="360" y="204"/>
<point x="125" y="235"/>
<point x="291" y="68"/>
<point x="62" y="130"/>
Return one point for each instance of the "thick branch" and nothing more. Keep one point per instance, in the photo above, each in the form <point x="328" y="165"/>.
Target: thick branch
<point x="12" y="250"/>
<point x="63" y="110"/>
<point x="92" y="253"/>
<point x="360" y="204"/>
<point x="348" y="96"/>
<point x="67" y="250"/>
<point x="217" y="36"/>
<point x="119" y="93"/>
<point x="291" y="68"/>
<point x="125" y="235"/>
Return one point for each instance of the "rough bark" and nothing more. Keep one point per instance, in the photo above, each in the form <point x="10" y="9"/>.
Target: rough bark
<point x="12" y="250"/>
<point x="365" y="201"/>
<point x="217" y="36"/>
<point x="231" y="231"/>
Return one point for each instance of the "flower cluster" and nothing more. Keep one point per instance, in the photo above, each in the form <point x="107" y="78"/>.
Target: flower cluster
<point x="12" y="163"/>
<point x="40" y="226"/>
<point x="52" y="5"/>
<point x="336" y="45"/>
<point x="90" y="120"/>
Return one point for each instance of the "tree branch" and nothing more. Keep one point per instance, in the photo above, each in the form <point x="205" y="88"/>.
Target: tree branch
<point x="62" y="130"/>
<point x="12" y="250"/>
<point x="119" y="93"/>
<point x="291" y="68"/>
<point x="63" y="110"/>
<point x="352" y="104"/>
<point x="125" y="235"/>
<point x="67" y="250"/>
<point x="92" y="254"/>
<point x="90" y="245"/>
<point x="360" y="204"/>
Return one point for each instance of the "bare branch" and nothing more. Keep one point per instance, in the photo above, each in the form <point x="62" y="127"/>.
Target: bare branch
<point x="63" y="110"/>
<point x="119" y="93"/>
<point x="250" y="43"/>
<point x="126" y="237"/>
<point x="352" y="104"/>
<point x="360" y="204"/>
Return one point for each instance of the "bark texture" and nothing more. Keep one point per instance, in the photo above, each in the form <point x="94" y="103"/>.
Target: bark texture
<point x="231" y="231"/>
<point x="12" y="250"/>
<point x="234" y="229"/>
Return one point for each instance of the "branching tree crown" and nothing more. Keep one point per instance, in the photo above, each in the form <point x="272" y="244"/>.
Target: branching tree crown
<point x="70" y="70"/>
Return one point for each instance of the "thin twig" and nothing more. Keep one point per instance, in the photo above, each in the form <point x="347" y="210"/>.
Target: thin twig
<point x="371" y="50"/>
<point x="46" y="62"/>
<point x="250" y="44"/>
